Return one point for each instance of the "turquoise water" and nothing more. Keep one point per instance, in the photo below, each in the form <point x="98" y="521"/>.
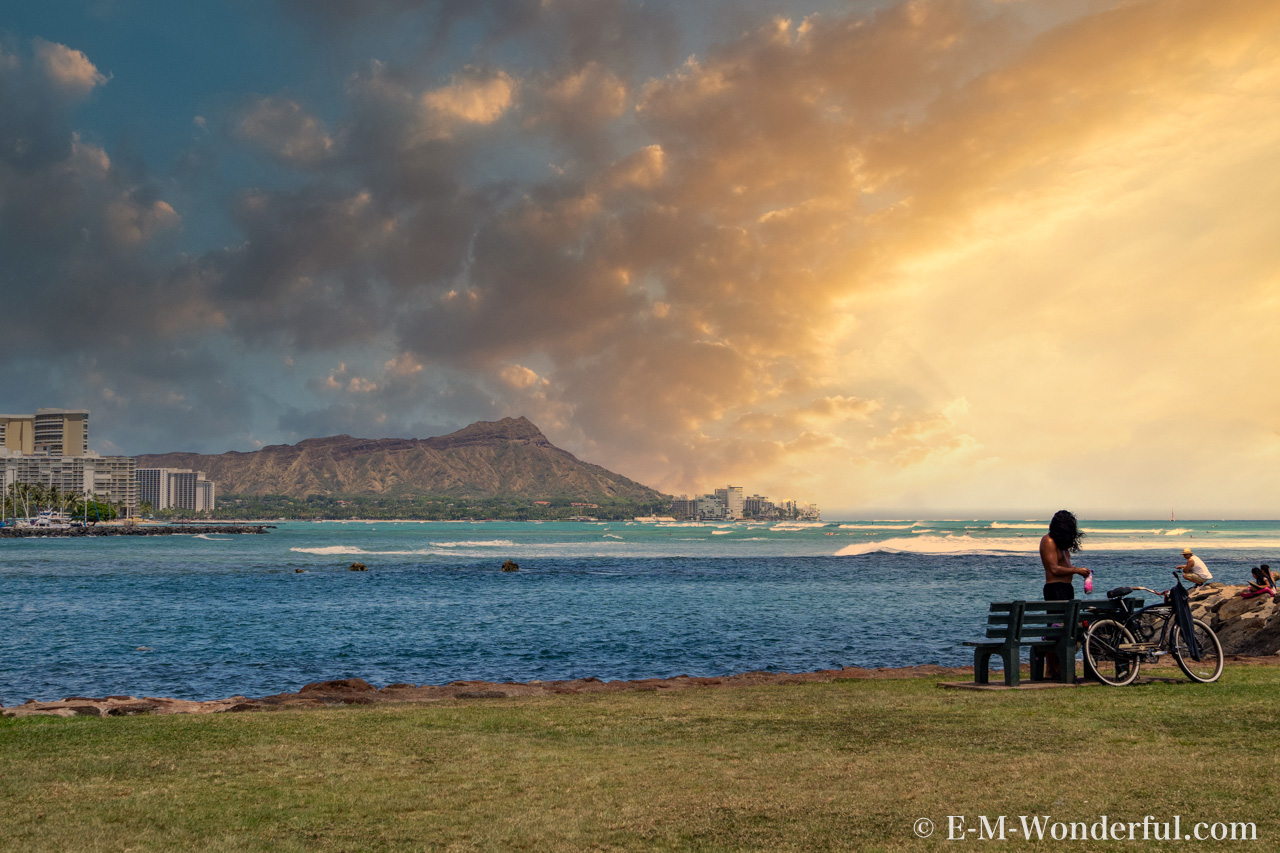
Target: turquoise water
<point x="209" y="617"/>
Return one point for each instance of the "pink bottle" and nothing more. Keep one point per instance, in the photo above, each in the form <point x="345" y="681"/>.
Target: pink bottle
<point x="1088" y="582"/>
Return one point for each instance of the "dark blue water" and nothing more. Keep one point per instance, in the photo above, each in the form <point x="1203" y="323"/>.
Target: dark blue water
<point x="201" y="619"/>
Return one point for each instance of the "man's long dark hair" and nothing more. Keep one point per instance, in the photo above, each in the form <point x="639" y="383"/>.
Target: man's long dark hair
<point x="1064" y="532"/>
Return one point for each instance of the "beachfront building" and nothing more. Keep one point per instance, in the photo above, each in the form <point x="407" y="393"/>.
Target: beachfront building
<point x="711" y="508"/>
<point x="54" y="432"/>
<point x="731" y="497"/>
<point x="684" y="507"/>
<point x="175" y="488"/>
<point x="106" y="478"/>
<point x="729" y="504"/>
<point x="758" y="506"/>
<point x="800" y="511"/>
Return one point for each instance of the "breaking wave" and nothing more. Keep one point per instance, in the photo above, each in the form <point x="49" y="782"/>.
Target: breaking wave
<point x="475" y="543"/>
<point x="937" y="545"/>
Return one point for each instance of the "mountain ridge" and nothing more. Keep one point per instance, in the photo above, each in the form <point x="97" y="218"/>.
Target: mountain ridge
<point x="488" y="459"/>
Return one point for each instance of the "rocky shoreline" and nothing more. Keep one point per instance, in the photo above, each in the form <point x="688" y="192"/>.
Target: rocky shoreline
<point x="357" y="691"/>
<point x="132" y="530"/>
<point x="1245" y="626"/>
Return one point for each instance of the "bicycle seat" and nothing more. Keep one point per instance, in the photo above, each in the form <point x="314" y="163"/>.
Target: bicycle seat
<point x="1119" y="592"/>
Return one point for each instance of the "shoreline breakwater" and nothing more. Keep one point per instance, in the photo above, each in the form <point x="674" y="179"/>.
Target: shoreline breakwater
<point x="131" y="530"/>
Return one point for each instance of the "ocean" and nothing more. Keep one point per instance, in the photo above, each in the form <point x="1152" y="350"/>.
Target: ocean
<point x="204" y="617"/>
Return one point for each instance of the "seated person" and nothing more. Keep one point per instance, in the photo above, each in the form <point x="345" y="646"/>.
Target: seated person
<point x="1263" y="583"/>
<point x="1194" y="569"/>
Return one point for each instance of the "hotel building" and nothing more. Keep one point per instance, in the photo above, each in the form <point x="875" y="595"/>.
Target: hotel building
<point x="175" y="488"/>
<point x="55" y="432"/>
<point x="107" y="478"/>
<point x="51" y="448"/>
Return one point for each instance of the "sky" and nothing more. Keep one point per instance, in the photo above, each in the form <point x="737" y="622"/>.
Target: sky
<point x="921" y="258"/>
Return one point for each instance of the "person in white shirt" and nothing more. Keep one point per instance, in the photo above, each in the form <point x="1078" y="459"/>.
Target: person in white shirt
<point x="1194" y="568"/>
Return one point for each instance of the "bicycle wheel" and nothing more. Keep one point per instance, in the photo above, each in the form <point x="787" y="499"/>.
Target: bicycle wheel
<point x="1102" y="649"/>
<point x="1209" y="667"/>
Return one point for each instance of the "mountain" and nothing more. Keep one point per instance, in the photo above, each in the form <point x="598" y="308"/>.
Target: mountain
<point x="507" y="458"/>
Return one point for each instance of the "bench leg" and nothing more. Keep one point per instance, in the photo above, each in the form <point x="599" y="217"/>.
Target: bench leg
<point x="1037" y="664"/>
<point x="1012" y="675"/>
<point x="1066" y="663"/>
<point x="981" y="660"/>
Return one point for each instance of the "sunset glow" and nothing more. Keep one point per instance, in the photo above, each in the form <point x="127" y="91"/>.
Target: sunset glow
<point x="926" y="258"/>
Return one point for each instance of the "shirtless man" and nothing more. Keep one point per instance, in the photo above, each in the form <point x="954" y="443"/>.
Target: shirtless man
<point x="1055" y="553"/>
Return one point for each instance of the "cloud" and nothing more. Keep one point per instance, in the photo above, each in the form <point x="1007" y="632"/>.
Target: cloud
<point x="473" y="98"/>
<point x="783" y="259"/>
<point x="70" y="71"/>
<point x="281" y="128"/>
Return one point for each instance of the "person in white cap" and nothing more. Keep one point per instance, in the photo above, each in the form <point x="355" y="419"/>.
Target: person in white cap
<point x="1194" y="568"/>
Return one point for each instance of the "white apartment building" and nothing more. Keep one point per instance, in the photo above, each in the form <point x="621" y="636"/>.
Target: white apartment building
<point x="732" y="499"/>
<point x="710" y="508"/>
<point x="107" y="478"/>
<point x="175" y="488"/>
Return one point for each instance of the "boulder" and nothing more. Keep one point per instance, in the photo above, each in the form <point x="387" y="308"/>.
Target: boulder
<point x="358" y="567"/>
<point x="342" y="685"/>
<point x="511" y="566"/>
<point x="1245" y="626"/>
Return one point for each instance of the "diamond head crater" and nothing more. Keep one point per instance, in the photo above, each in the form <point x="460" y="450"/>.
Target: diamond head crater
<point x="504" y="469"/>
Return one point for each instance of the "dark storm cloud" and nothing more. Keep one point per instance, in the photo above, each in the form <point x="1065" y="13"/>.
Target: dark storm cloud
<point x="567" y="32"/>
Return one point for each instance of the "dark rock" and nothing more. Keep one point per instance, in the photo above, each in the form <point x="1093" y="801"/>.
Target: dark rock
<point x="511" y="566"/>
<point x="245" y="706"/>
<point x="300" y="571"/>
<point x="480" y="694"/>
<point x="358" y="567"/>
<point x="131" y="709"/>
<point x="86" y="710"/>
<point x="343" y="685"/>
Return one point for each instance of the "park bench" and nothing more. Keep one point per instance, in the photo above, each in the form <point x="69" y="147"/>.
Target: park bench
<point x="1047" y="628"/>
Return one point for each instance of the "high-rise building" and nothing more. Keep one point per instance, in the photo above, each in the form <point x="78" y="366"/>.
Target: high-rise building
<point x="106" y="478"/>
<point x="711" y="508"/>
<point x="684" y="507"/>
<point x="204" y="495"/>
<point x="56" y="432"/>
<point x="731" y="497"/>
<point x="175" y="488"/>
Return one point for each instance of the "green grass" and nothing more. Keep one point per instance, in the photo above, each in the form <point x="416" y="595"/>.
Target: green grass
<point x="843" y="765"/>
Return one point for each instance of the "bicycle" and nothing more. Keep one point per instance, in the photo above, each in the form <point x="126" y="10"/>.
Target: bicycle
<point x="1116" y="648"/>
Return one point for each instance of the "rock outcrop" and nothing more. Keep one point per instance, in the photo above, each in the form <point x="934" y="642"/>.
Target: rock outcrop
<point x="506" y="458"/>
<point x="1245" y="626"/>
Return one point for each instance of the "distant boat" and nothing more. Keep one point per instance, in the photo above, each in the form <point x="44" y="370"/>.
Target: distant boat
<point x="50" y="520"/>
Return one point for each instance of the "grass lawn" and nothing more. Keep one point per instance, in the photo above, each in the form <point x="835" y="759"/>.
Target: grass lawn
<point x="843" y="765"/>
